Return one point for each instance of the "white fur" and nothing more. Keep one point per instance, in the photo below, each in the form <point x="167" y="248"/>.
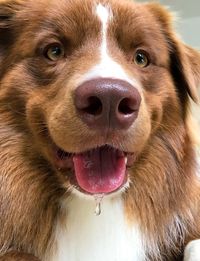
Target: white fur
<point x="192" y="251"/>
<point x="86" y="237"/>
<point x="104" y="15"/>
<point x="107" y="67"/>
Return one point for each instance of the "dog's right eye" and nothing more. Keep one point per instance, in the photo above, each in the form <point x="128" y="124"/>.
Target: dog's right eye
<point x="54" y="52"/>
<point x="141" y="59"/>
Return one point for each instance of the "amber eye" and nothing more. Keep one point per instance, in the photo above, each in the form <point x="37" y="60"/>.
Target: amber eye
<point x="141" y="59"/>
<point x="54" y="52"/>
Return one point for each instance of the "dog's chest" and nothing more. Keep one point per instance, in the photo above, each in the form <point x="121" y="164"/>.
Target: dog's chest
<point x="86" y="237"/>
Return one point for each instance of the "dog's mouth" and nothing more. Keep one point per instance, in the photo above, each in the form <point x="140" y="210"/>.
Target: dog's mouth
<point x="101" y="170"/>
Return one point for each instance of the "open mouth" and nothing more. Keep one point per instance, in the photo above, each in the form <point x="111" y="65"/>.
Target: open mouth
<point x="101" y="170"/>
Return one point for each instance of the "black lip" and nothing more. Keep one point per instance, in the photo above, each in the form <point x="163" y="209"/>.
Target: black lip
<point x="63" y="156"/>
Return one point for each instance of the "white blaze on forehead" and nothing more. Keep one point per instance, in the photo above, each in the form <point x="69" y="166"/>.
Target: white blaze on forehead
<point x="104" y="14"/>
<point x="106" y="67"/>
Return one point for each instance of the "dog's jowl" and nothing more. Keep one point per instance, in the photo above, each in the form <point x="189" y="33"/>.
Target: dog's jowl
<point x="97" y="158"/>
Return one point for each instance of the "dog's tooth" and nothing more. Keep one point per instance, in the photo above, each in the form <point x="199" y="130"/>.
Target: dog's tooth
<point x="126" y="160"/>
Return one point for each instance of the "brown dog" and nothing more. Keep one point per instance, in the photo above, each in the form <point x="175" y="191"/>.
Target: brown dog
<point x="94" y="107"/>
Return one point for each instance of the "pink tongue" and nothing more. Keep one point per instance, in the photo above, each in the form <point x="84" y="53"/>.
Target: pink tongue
<point x="100" y="171"/>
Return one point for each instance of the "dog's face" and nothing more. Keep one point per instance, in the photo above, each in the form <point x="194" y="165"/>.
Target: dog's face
<point x="90" y="84"/>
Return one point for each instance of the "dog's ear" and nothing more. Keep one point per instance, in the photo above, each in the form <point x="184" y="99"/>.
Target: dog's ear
<point x="8" y="10"/>
<point x="184" y="60"/>
<point x="185" y="67"/>
<point x="8" y="30"/>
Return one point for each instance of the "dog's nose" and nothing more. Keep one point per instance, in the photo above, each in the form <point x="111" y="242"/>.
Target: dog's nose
<point x="107" y="103"/>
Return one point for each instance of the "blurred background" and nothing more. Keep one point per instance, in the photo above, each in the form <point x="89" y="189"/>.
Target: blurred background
<point x="188" y="27"/>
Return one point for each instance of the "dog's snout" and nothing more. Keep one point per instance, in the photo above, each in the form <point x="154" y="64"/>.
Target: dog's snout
<point x="107" y="103"/>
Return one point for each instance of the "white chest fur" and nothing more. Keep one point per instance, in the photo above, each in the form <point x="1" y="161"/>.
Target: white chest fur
<point x="86" y="237"/>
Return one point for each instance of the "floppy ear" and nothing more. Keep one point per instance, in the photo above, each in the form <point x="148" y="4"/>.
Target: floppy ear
<point x="184" y="60"/>
<point x="185" y="67"/>
<point x="8" y="11"/>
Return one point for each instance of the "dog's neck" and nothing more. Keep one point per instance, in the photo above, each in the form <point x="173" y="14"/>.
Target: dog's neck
<point x="83" y="236"/>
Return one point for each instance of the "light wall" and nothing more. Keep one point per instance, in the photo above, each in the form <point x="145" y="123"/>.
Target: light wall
<point x="190" y="30"/>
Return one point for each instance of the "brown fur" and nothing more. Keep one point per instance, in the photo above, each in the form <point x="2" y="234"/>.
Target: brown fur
<point x="14" y="256"/>
<point x="164" y="182"/>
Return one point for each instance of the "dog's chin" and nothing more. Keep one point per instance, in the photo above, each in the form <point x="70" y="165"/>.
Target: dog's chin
<point x="98" y="171"/>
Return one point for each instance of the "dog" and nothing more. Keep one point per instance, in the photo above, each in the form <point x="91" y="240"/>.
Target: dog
<point x="97" y="159"/>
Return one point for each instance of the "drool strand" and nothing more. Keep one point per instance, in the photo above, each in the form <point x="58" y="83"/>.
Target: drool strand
<point x="98" y="200"/>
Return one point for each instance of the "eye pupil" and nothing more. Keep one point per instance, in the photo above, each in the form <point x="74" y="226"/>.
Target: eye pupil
<point x="54" y="52"/>
<point x="141" y="59"/>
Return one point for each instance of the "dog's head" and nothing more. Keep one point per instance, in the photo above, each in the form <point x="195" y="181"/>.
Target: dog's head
<point x="91" y="83"/>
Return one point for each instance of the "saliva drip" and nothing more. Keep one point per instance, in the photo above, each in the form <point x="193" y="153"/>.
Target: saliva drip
<point x="98" y="200"/>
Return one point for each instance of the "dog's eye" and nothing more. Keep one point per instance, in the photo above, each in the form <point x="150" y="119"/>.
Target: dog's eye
<point x="54" y="52"/>
<point x="141" y="59"/>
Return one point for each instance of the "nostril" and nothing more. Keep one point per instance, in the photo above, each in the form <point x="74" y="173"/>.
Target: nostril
<point x="126" y="106"/>
<point x="105" y="103"/>
<point x="94" y="106"/>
